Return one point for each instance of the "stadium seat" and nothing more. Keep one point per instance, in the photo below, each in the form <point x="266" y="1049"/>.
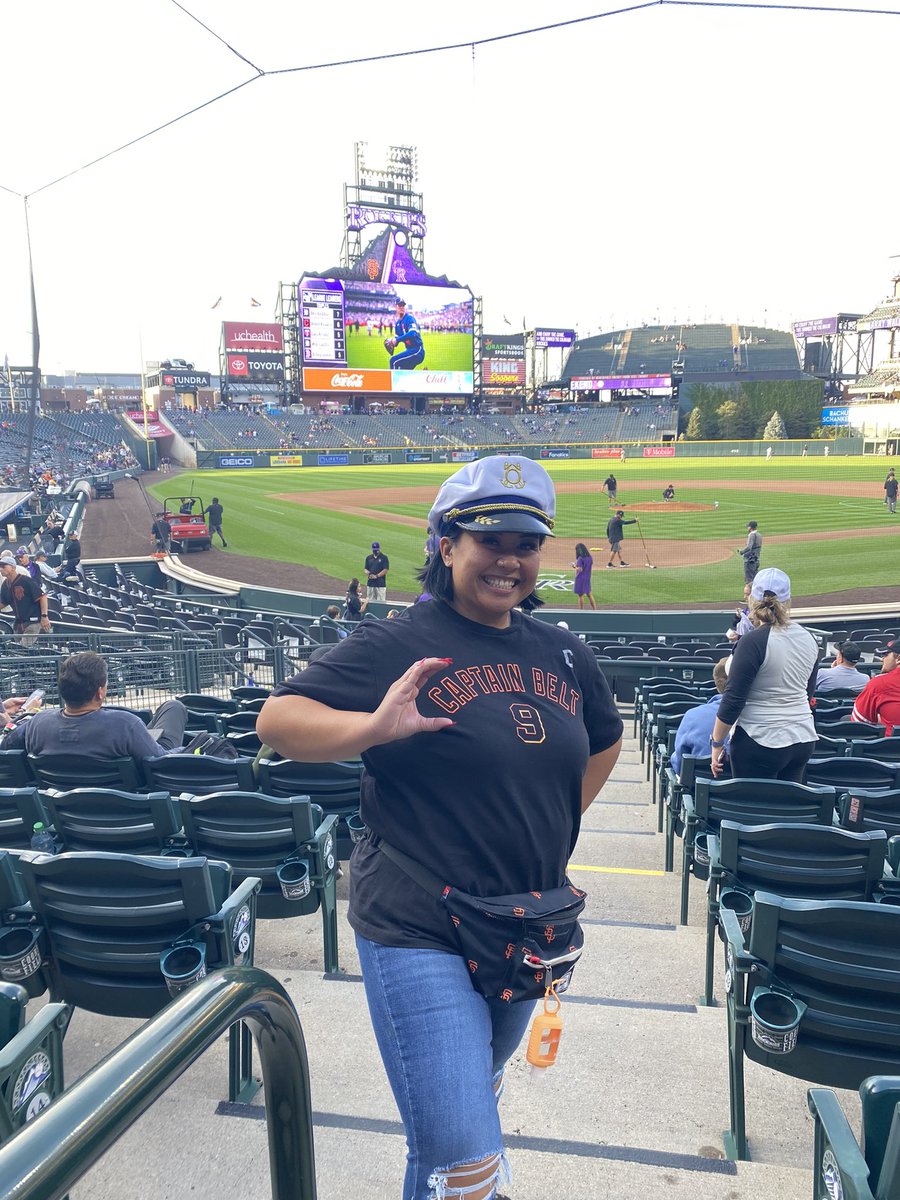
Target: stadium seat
<point x="861" y="810"/>
<point x="811" y="862"/>
<point x="114" y="921"/>
<point x="108" y="819"/>
<point x="198" y="702"/>
<point x="332" y="785"/>
<point x="256" y="835"/>
<point x="15" y="771"/>
<point x="747" y="802"/>
<point x="815" y="994"/>
<point x="246" y="692"/>
<point x="869" y="1170"/>
<point x="239" y="722"/>
<point x="849" y="729"/>
<point x="31" y="1058"/>
<point x="846" y="773"/>
<point x="66" y="771"/>
<point x="20" y="810"/>
<point x="692" y="768"/>
<point x="886" y="749"/>
<point x="199" y="774"/>
<point x="246" y="742"/>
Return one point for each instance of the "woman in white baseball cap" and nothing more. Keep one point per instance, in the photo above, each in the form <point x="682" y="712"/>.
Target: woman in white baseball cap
<point x="772" y="675"/>
<point x="484" y="735"/>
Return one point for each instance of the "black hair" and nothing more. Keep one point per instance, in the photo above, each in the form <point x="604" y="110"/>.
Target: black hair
<point x="752" y="525"/>
<point x="80" y="678"/>
<point x="436" y="577"/>
<point x="215" y="499"/>
<point x="581" y="550"/>
<point x="353" y="585"/>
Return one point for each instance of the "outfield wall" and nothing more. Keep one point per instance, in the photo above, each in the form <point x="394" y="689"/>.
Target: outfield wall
<point x="218" y="460"/>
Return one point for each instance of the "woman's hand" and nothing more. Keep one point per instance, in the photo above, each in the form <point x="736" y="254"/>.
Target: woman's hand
<point x="13" y="704"/>
<point x="718" y="756"/>
<point x="397" y="716"/>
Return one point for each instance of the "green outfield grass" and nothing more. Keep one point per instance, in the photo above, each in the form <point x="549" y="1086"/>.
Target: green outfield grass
<point x="443" y="351"/>
<point x="336" y="542"/>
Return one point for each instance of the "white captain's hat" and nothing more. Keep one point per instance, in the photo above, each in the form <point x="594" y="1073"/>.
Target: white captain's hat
<point x="502" y="494"/>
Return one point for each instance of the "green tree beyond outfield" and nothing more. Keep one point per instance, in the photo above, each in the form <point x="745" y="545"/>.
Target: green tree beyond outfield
<point x="261" y="525"/>
<point x="743" y="409"/>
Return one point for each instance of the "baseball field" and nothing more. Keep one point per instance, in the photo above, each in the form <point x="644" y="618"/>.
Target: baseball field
<point x="823" y="520"/>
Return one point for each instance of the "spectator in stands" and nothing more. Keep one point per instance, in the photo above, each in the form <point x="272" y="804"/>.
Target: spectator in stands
<point x="583" y="565"/>
<point x="44" y="567"/>
<point x="84" y="726"/>
<point x="842" y="674"/>
<point x="54" y="533"/>
<point x="485" y="792"/>
<point x="354" y="604"/>
<point x="335" y="613"/>
<point x="72" y="554"/>
<point x="8" y="556"/>
<point x="696" y="727"/>
<point x="24" y="561"/>
<point x="751" y="552"/>
<point x="27" y="600"/>
<point x="376" y="568"/>
<point x="879" y="701"/>
<point x="771" y="678"/>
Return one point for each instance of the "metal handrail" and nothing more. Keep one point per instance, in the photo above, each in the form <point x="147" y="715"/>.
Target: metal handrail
<point x="50" y="1154"/>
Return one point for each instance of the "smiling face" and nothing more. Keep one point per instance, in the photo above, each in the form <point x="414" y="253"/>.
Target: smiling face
<point x="492" y="573"/>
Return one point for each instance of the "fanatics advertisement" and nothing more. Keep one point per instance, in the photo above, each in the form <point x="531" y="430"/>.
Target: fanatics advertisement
<point x="243" y="335"/>
<point x="362" y="336"/>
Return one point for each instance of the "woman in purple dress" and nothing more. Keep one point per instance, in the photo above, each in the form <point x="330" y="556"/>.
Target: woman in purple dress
<point x="583" y="565"/>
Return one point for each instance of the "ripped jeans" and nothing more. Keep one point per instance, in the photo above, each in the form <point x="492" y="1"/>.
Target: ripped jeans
<point x="444" y="1047"/>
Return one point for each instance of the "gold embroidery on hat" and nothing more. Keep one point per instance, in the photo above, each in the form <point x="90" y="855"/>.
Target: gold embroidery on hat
<point x="486" y="521"/>
<point x="512" y="476"/>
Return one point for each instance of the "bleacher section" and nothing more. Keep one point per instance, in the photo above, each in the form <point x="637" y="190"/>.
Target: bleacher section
<point x="66" y="444"/>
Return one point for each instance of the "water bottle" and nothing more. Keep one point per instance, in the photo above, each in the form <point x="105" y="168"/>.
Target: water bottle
<point x="42" y="839"/>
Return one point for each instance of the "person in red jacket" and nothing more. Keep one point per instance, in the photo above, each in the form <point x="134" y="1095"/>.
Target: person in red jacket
<point x="879" y="701"/>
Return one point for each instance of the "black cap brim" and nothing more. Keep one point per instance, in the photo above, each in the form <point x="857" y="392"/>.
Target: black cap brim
<point x="506" y="522"/>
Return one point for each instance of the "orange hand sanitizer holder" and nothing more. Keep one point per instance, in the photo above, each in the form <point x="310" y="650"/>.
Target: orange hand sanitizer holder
<point x="546" y="1031"/>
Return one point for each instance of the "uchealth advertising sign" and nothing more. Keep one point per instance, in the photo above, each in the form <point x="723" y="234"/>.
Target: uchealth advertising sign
<point x="155" y="428"/>
<point x="285" y="460"/>
<point x="659" y="452"/>
<point x="606" y="452"/>
<point x="256" y="367"/>
<point x="244" y="335"/>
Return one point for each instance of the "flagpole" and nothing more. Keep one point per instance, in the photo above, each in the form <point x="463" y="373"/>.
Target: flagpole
<point x="144" y="397"/>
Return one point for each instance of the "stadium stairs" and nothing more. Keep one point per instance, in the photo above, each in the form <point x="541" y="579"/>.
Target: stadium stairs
<point x="636" y="1104"/>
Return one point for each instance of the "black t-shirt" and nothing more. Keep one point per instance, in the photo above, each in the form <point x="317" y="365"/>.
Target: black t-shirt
<point x="24" y="597"/>
<point x="375" y="563"/>
<point x="352" y="606"/>
<point x="493" y="803"/>
<point x="215" y="514"/>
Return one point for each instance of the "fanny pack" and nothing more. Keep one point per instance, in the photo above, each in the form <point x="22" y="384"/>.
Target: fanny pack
<point x="516" y="946"/>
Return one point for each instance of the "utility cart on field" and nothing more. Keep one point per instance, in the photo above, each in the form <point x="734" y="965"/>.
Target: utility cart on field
<point x="189" y="530"/>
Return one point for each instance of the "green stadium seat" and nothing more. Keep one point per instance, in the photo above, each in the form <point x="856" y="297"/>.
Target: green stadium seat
<point x="114" y="921"/>
<point x="258" y="834"/>
<point x="814" y="994"/>
<point x="869" y="1170"/>
<point x="15" y="771"/>
<point x="108" y="819"/>
<point x="812" y="862"/>
<point x="199" y="774"/>
<point x="845" y="773"/>
<point x="692" y="768"/>
<point x="334" y="786"/>
<point x="20" y="810"/>
<point x="65" y="771"/>
<point x="31" y="1058"/>
<point x="746" y="802"/>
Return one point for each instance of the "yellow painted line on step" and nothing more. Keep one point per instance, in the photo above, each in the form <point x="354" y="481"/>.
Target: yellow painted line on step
<point x="614" y="870"/>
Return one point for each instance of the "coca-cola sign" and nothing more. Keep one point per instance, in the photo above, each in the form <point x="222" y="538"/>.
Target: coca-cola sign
<point x="244" y="335"/>
<point x="347" y="379"/>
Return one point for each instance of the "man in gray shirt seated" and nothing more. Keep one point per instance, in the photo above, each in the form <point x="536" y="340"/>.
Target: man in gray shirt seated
<point x="84" y="726"/>
<point x="842" y="673"/>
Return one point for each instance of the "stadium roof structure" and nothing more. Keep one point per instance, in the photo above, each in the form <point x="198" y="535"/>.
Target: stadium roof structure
<point x="885" y="316"/>
<point x="885" y="378"/>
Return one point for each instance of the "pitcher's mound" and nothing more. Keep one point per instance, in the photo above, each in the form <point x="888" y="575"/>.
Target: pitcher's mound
<point x="674" y="506"/>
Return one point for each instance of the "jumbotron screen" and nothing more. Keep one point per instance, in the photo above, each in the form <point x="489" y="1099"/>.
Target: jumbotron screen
<point x="345" y="323"/>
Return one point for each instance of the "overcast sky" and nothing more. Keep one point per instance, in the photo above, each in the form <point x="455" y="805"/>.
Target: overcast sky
<point x="674" y="163"/>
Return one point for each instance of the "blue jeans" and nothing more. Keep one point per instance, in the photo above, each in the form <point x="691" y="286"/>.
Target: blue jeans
<point x="444" y="1047"/>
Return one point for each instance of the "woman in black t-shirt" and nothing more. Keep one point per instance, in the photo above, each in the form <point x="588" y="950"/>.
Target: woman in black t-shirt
<point x="354" y="607"/>
<point x="484" y="735"/>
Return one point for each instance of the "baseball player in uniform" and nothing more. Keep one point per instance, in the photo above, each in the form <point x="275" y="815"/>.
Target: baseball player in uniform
<point x="407" y="340"/>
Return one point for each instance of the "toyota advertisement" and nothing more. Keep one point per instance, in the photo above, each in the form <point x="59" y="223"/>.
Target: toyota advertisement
<point x="359" y="337"/>
<point x="254" y="352"/>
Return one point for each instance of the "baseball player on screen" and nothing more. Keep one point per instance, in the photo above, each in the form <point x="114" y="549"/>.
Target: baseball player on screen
<point x="408" y="338"/>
